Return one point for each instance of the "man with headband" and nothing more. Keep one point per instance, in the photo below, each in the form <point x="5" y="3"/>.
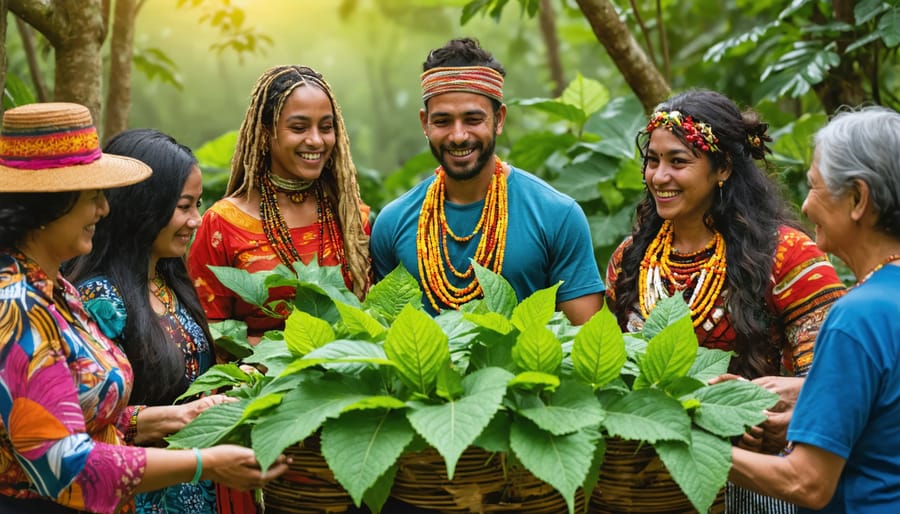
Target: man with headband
<point x="477" y="207"/>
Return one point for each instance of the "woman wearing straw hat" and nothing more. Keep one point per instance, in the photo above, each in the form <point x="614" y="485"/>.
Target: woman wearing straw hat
<point x="64" y="386"/>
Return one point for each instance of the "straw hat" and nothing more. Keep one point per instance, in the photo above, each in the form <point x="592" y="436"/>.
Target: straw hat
<point x="46" y="147"/>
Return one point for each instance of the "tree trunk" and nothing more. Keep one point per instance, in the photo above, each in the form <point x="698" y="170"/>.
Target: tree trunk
<point x="4" y="6"/>
<point x="639" y="72"/>
<point x="76" y="29"/>
<point x="118" y="94"/>
<point x="547" y="19"/>
<point x="34" y="69"/>
<point x="843" y="85"/>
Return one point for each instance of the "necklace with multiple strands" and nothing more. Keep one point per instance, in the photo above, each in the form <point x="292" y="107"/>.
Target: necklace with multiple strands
<point x="434" y="237"/>
<point x="665" y="271"/>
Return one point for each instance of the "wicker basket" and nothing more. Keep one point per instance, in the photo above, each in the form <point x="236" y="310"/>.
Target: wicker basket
<point x="479" y="485"/>
<point x="308" y="486"/>
<point x="634" y="479"/>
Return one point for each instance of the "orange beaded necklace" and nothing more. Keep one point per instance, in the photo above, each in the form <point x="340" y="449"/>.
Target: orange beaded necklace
<point x="702" y="272"/>
<point x="432" y="242"/>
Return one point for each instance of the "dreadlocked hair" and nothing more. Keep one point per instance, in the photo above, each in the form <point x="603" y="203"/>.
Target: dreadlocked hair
<point x="252" y="158"/>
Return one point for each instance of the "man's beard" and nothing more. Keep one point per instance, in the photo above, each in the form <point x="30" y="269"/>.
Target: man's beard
<point x="466" y="173"/>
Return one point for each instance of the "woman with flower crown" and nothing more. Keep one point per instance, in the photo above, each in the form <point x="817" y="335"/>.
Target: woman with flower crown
<point x="714" y="229"/>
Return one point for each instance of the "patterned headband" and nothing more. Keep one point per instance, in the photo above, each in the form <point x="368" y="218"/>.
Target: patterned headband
<point x="480" y="80"/>
<point x="696" y="133"/>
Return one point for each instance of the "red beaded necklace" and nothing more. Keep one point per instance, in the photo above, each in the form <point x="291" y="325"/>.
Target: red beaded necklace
<point x="279" y="234"/>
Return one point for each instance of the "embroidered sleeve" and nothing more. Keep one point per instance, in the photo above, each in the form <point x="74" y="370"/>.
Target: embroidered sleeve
<point x="805" y="287"/>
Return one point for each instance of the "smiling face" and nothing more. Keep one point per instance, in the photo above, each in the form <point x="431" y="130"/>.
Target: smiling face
<point x="682" y="184"/>
<point x="462" y="130"/>
<point x="173" y="239"/>
<point x="304" y="137"/>
<point x="830" y="214"/>
<point x="71" y="234"/>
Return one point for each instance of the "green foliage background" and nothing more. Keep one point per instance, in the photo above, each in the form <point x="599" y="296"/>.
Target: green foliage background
<point x="767" y="54"/>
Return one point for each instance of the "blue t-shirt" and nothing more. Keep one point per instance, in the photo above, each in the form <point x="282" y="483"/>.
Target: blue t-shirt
<point x="548" y="238"/>
<point x="850" y="403"/>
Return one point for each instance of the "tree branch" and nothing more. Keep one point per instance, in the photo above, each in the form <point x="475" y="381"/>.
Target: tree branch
<point x="34" y="69"/>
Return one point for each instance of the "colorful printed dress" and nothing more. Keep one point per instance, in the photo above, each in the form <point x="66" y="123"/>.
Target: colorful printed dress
<point x="803" y="285"/>
<point x="103" y="301"/>
<point x="230" y="237"/>
<point x="64" y="390"/>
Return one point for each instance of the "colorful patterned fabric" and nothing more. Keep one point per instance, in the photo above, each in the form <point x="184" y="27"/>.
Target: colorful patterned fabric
<point x="63" y="393"/>
<point x="102" y="300"/>
<point x="803" y="285"/>
<point x="230" y="237"/>
<point x="481" y="80"/>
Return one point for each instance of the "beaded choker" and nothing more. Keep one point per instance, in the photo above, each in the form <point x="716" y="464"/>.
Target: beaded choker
<point x="432" y="245"/>
<point x="701" y="272"/>
<point x="889" y="259"/>
<point x="296" y="189"/>
<point x="279" y="234"/>
<point x="163" y="293"/>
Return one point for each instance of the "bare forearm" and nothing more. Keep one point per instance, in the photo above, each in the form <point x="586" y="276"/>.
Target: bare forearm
<point x="807" y="477"/>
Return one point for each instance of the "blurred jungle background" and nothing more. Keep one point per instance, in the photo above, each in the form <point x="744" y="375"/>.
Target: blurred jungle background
<point x="581" y="75"/>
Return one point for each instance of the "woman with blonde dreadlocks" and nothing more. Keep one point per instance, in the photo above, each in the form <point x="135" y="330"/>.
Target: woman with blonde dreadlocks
<point x="292" y="196"/>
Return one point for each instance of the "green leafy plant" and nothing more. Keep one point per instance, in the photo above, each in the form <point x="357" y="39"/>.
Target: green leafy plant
<point x="381" y="377"/>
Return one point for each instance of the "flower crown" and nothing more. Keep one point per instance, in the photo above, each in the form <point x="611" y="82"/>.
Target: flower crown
<point x="696" y="133"/>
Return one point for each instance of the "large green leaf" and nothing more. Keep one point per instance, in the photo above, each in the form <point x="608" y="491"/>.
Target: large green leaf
<point x="271" y="354"/>
<point x="581" y="178"/>
<point x="492" y="321"/>
<point x="559" y="108"/>
<point x="249" y="286"/>
<point x="648" y="415"/>
<point x="709" y="364"/>
<point x="599" y="350"/>
<point x="418" y="347"/>
<point x="534" y="149"/>
<point x="217" y="152"/>
<point x="700" y="468"/>
<point x="393" y="292"/>
<point x="361" y="446"/>
<point x="499" y="296"/>
<point x="562" y="461"/>
<point x="453" y="426"/>
<point x="588" y="95"/>
<point x="348" y="356"/>
<point x="302" y="412"/>
<point x="667" y="311"/>
<point x="220" y="375"/>
<point x="537" y="349"/>
<point x="316" y="304"/>
<point x="571" y="408"/>
<point x="328" y="280"/>
<point x="231" y="335"/>
<point x="728" y="408"/>
<point x="210" y="427"/>
<point x="304" y="333"/>
<point x="670" y="354"/>
<point x="536" y="310"/>
<point x="889" y="27"/>
<point x="359" y="322"/>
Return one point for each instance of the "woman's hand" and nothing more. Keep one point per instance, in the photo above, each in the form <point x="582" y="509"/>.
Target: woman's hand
<point x="237" y="467"/>
<point x="155" y="423"/>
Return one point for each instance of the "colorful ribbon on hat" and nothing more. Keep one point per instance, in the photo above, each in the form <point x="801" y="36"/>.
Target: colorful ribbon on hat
<point x="29" y="150"/>
<point x="480" y="80"/>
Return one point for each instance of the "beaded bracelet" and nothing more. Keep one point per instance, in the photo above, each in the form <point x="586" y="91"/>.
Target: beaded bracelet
<point x="131" y="431"/>
<point x="199" y="471"/>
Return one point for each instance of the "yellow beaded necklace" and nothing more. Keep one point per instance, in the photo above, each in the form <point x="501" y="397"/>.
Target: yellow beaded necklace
<point x="661" y="276"/>
<point x="432" y="241"/>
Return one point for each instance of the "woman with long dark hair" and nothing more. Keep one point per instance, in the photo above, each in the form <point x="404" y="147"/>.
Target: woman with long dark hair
<point x="135" y="284"/>
<point x="714" y="228"/>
